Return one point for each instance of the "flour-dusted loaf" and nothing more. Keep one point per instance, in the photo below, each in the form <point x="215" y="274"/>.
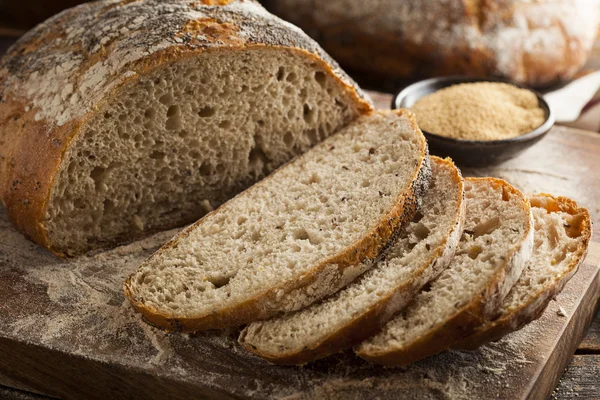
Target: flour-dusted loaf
<point x="562" y="234"/>
<point x="121" y="118"/>
<point x="297" y="236"/>
<point x="533" y="42"/>
<point x="423" y="249"/>
<point x="495" y="246"/>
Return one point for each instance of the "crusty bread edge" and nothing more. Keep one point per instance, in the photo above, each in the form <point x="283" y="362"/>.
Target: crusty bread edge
<point x="373" y="318"/>
<point x="518" y="318"/>
<point x="463" y="322"/>
<point x="27" y="185"/>
<point x="259" y="307"/>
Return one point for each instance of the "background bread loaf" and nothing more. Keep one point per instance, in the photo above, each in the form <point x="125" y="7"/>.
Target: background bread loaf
<point x="533" y="42"/>
<point x="118" y="119"/>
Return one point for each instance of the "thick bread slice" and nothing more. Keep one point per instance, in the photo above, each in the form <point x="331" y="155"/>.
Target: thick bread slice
<point x="562" y="234"/>
<point x="422" y="251"/>
<point x="495" y="246"/>
<point x="122" y="118"/>
<point x="293" y="238"/>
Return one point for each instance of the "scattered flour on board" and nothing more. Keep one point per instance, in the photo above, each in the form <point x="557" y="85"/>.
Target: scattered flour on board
<point x="81" y="310"/>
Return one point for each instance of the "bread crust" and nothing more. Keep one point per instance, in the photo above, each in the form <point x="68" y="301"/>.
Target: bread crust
<point x="269" y="301"/>
<point x="526" y="313"/>
<point x="372" y="319"/>
<point x="537" y="43"/>
<point x="38" y="125"/>
<point x="464" y="322"/>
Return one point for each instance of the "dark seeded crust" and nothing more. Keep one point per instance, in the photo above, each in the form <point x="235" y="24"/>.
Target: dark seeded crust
<point x="373" y="318"/>
<point x="464" y="321"/>
<point x="267" y="303"/>
<point x="528" y="312"/>
<point x="410" y="38"/>
<point x="32" y="151"/>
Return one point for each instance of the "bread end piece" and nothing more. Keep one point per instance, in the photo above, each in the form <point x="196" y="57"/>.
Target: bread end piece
<point x="517" y="318"/>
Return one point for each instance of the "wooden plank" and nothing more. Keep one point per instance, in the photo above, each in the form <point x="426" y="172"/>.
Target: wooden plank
<point x="7" y="393"/>
<point x="66" y="330"/>
<point x="580" y="380"/>
<point x="591" y="342"/>
<point x="567" y="341"/>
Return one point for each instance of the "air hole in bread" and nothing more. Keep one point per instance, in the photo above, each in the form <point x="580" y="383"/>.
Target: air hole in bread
<point x="292" y="77"/>
<point x="220" y="281"/>
<point x="505" y="194"/>
<point x="280" y="73"/>
<point x="255" y="236"/>
<point x="420" y="231"/>
<point x="320" y="78"/>
<point x="257" y="157"/>
<point x="573" y="226"/>
<point x="288" y="139"/>
<point x="173" y="123"/>
<point x="474" y="252"/>
<point x="301" y="234"/>
<point x="205" y="169"/>
<point x="173" y="110"/>
<point x="157" y="155"/>
<point x="427" y="287"/>
<point x="207" y="112"/>
<point x="308" y="113"/>
<point x="486" y="227"/>
<point x="79" y="203"/>
<point x="108" y="205"/>
<point x="225" y="124"/>
<point x="314" y="178"/>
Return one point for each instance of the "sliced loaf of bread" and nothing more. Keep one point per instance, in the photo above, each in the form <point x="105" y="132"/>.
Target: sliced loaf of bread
<point x="422" y="251"/>
<point x="123" y="118"/>
<point x="562" y="234"/>
<point x="295" y="237"/>
<point x="494" y="248"/>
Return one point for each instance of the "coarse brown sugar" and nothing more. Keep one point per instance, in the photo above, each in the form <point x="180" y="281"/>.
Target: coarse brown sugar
<point x="479" y="111"/>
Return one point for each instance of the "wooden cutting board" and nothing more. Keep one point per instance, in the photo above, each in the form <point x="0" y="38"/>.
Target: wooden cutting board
<point x="66" y="330"/>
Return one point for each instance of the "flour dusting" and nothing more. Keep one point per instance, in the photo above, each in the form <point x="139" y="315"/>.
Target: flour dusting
<point x="78" y="307"/>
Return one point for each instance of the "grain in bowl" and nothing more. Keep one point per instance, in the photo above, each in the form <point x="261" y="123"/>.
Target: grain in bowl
<point x="483" y="111"/>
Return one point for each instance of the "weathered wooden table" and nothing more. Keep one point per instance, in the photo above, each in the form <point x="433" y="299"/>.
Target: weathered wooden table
<point x="567" y="162"/>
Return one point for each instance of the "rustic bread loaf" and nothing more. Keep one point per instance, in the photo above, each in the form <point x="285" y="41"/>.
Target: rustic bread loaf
<point x="562" y="234"/>
<point x="295" y="237"/>
<point x="120" y="118"/>
<point x="423" y="249"/>
<point x="533" y="42"/>
<point x="495" y="246"/>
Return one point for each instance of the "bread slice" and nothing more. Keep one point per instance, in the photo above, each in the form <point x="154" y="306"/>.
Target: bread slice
<point x="562" y="234"/>
<point x="496" y="244"/>
<point x="422" y="251"/>
<point x="108" y="135"/>
<point x="295" y="237"/>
